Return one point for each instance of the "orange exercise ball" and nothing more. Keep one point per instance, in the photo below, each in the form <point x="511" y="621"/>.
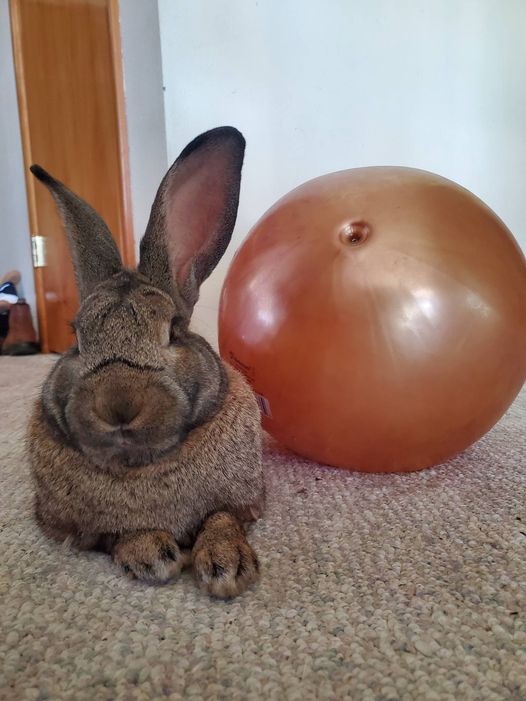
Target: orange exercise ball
<point x="380" y="316"/>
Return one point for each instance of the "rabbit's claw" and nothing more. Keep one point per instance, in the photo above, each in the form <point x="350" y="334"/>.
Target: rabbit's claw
<point x="224" y="563"/>
<point x="152" y="556"/>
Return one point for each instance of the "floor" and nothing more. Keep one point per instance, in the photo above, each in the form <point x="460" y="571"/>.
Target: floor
<point x="374" y="588"/>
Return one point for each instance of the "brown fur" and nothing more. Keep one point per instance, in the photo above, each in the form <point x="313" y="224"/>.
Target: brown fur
<point x="143" y="443"/>
<point x="217" y="468"/>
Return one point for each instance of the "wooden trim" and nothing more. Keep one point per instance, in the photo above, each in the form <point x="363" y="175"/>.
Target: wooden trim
<point x="128" y="244"/>
<point x="30" y="181"/>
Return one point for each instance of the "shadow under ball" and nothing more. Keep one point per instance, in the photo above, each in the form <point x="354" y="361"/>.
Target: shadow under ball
<point x="380" y="314"/>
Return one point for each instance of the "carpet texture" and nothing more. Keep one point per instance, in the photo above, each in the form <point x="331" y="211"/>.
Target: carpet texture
<point x="374" y="588"/>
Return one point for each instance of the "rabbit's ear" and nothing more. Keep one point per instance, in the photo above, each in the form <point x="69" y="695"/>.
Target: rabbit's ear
<point x="193" y="214"/>
<point x="93" y="250"/>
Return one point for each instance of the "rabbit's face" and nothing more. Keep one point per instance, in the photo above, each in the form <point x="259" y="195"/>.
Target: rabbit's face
<point x="132" y="386"/>
<point x="125" y="317"/>
<point x="127" y="404"/>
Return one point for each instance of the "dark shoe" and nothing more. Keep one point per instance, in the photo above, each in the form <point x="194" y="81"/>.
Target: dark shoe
<point x="8" y="293"/>
<point x="21" y="338"/>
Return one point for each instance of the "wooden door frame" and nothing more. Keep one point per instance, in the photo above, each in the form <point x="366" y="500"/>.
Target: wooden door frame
<point x="128" y="245"/>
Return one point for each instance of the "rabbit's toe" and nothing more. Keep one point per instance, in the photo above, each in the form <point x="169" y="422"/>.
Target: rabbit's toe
<point x="152" y="556"/>
<point x="225" y="568"/>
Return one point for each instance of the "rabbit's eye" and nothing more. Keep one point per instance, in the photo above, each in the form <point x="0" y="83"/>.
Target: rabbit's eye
<point x="73" y="327"/>
<point x="175" y="329"/>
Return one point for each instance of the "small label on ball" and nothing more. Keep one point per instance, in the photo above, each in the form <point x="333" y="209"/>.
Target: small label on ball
<point x="264" y="405"/>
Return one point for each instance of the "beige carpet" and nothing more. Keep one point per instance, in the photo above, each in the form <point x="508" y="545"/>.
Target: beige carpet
<point x="374" y="587"/>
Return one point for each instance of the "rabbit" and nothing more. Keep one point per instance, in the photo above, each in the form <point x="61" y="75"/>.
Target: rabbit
<point x="142" y="443"/>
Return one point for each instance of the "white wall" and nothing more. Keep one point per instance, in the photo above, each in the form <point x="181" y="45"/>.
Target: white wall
<point x="143" y="91"/>
<point x="321" y="85"/>
<point x="15" y="248"/>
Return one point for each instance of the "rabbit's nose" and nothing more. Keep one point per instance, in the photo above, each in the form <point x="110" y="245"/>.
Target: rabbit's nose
<point x="120" y="412"/>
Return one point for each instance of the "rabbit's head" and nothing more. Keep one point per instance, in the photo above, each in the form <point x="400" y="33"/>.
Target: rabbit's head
<point x="138" y="380"/>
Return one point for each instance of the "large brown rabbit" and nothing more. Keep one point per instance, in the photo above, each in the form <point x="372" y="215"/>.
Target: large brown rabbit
<point x="143" y="443"/>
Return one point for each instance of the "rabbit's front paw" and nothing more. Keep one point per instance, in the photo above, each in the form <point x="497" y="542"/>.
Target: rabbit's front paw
<point x="224" y="563"/>
<point x="152" y="556"/>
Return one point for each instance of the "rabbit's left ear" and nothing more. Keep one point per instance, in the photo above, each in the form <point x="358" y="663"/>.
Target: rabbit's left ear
<point x="193" y="214"/>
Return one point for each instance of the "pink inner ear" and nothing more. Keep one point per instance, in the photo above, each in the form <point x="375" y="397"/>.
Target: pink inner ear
<point x="195" y="202"/>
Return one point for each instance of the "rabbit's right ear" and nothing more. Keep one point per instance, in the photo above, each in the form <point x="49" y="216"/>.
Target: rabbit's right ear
<point x="93" y="250"/>
<point x="193" y="214"/>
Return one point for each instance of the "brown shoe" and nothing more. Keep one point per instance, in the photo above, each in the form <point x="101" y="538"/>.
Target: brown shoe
<point x="21" y="338"/>
<point x="4" y="327"/>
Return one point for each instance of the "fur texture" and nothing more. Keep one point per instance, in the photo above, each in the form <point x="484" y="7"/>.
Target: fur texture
<point x="143" y="443"/>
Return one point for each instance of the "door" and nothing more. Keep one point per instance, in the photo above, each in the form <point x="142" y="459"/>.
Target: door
<point x="71" y="104"/>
